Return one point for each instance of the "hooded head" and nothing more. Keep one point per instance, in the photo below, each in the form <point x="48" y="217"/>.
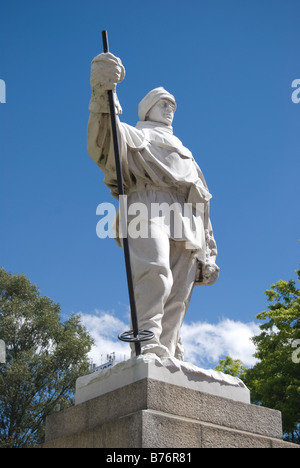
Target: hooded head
<point x="151" y="99"/>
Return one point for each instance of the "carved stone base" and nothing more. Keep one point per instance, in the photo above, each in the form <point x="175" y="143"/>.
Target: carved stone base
<point x="153" y="413"/>
<point x="168" y="370"/>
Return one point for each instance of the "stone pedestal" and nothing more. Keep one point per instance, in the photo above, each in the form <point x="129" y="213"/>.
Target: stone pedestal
<point x="148" y="408"/>
<point x="168" y="370"/>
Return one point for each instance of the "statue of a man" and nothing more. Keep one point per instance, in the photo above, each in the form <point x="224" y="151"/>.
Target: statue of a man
<point x="158" y="172"/>
<point x="2" y="352"/>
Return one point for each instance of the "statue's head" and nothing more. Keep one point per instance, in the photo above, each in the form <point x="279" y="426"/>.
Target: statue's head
<point x="158" y="106"/>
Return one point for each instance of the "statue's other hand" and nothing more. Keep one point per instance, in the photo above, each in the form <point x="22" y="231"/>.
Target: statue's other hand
<point x="211" y="273"/>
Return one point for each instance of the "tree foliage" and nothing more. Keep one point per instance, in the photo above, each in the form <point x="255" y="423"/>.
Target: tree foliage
<point x="44" y="357"/>
<point x="234" y="367"/>
<point x="275" y="380"/>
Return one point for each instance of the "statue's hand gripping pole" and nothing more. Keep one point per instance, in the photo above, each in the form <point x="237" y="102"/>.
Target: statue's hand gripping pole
<point x="132" y="336"/>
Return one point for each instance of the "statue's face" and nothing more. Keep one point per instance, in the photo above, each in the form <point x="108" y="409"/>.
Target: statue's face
<point x="162" y="112"/>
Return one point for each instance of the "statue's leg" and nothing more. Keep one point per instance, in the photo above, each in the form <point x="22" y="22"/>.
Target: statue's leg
<point x="153" y="280"/>
<point x="183" y="266"/>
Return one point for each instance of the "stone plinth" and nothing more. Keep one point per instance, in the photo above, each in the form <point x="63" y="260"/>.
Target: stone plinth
<point x="150" y="412"/>
<point x="168" y="370"/>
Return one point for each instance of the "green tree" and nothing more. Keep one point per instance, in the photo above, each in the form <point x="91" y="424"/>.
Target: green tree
<point x="44" y="357"/>
<point x="234" y="367"/>
<point x="274" y="381"/>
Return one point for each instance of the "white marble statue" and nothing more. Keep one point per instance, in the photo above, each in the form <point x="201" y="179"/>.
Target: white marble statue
<point x="158" y="172"/>
<point x="2" y="352"/>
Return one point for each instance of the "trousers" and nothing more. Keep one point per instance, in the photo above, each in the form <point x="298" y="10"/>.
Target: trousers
<point x="163" y="271"/>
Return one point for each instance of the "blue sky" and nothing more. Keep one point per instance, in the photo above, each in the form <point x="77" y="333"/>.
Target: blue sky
<point x="230" y="65"/>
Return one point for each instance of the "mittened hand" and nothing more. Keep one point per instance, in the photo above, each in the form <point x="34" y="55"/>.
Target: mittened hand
<point x="210" y="274"/>
<point x="106" y="71"/>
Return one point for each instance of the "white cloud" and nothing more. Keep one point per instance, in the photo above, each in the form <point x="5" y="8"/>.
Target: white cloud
<point x="204" y="343"/>
<point x="104" y="328"/>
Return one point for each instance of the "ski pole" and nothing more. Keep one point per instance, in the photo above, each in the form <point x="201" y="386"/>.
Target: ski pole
<point x="132" y="336"/>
